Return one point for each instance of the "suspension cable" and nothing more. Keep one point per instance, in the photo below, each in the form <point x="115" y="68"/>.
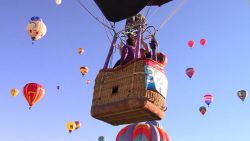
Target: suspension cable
<point x="86" y="9"/>
<point x="170" y="15"/>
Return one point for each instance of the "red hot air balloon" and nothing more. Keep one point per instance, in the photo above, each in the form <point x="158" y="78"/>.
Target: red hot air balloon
<point x="190" y="72"/>
<point x="208" y="98"/>
<point x="142" y="132"/>
<point x="203" y="42"/>
<point x="33" y="92"/>
<point x="191" y="43"/>
<point x="203" y="110"/>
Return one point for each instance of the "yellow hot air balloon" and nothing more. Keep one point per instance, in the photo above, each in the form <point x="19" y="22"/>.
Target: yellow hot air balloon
<point x="71" y="126"/>
<point x="84" y="70"/>
<point x="58" y="2"/>
<point x="80" y="51"/>
<point x="36" y="28"/>
<point x="14" y="92"/>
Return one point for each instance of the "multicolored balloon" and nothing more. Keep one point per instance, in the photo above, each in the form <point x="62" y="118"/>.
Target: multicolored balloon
<point x="208" y="98"/>
<point x="203" y="110"/>
<point x="14" y="92"/>
<point x="203" y="42"/>
<point x="78" y="124"/>
<point x="71" y="126"/>
<point x="84" y="70"/>
<point x="36" y="28"/>
<point x="190" y="72"/>
<point x="191" y="43"/>
<point x="80" y="51"/>
<point x="142" y="132"/>
<point x="242" y="94"/>
<point x="33" y="92"/>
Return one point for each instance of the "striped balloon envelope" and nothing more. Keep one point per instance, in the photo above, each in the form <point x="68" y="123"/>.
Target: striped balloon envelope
<point x="142" y="132"/>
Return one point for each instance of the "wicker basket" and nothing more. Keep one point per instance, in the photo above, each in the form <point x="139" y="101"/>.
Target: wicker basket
<point x="120" y="96"/>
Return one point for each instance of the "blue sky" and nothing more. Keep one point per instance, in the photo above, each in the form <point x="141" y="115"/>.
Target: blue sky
<point x="222" y="69"/>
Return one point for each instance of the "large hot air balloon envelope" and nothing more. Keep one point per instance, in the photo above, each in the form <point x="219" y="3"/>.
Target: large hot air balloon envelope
<point x="208" y="98"/>
<point x="117" y="10"/>
<point x="242" y="94"/>
<point x="71" y="126"/>
<point x="33" y="92"/>
<point x="36" y="28"/>
<point x="142" y="132"/>
<point x="14" y="92"/>
<point x="190" y="72"/>
<point x="203" y="110"/>
<point x="191" y="43"/>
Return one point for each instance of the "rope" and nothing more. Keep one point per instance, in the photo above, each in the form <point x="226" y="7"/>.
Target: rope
<point x="169" y="16"/>
<point x="86" y="9"/>
<point x="106" y="31"/>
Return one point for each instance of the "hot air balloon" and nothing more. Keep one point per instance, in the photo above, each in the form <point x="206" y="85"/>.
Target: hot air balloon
<point x="78" y="124"/>
<point x="242" y="94"/>
<point x="80" y="51"/>
<point x="33" y="92"/>
<point x="208" y="98"/>
<point x="58" y="2"/>
<point x="71" y="126"/>
<point x="36" y="28"/>
<point x="142" y="132"/>
<point x="84" y="70"/>
<point x="145" y="99"/>
<point x="14" y="92"/>
<point x="87" y="81"/>
<point x="191" y="43"/>
<point x="190" y="72"/>
<point x="58" y="87"/>
<point x="203" y="110"/>
<point x="101" y="138"/>
<point x="203" y="42"/>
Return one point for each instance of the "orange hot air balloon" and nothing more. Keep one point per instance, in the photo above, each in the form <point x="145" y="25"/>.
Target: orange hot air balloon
<point x="203" y="42"/>
<point x="80" y="51"/>
<point x="33" y="92"/>
<point x="191" y="43"/>
<point x="84" y="70"/>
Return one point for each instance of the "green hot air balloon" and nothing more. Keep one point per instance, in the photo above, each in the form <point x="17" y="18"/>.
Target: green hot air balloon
<point x="101" y="138"/>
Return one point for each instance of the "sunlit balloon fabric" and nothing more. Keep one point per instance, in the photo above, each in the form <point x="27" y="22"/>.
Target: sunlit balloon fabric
<point x="33" y="92"/>
<point x="14" y="92"/>
<point x="78" y="124"/>
<point x="58" y="2"/>
<point x="242" y="94"/>
<point x="36" y="28"/>
<point x="208" y="98"/>
<point x="203" y="110"/>
<point x="142" y="132"/>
